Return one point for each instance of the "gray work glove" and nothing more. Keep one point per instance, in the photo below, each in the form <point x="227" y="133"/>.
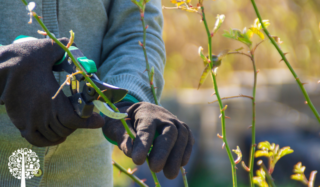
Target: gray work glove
<point x="27" y="85"/>
<point x="171" y="149"/>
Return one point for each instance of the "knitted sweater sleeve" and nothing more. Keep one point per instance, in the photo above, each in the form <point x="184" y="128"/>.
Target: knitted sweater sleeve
<point x="123" y="63"/>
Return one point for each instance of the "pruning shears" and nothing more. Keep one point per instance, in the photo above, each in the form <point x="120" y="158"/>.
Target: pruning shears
<point x="84" y="102"/>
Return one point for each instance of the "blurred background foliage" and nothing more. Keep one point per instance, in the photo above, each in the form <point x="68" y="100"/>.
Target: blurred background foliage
<point x="296" y="22"/>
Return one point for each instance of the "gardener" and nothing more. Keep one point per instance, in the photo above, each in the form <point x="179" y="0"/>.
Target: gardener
<point x="73" y="151"/>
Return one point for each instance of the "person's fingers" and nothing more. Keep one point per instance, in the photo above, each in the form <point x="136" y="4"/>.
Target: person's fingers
<point x="143" y="141"/>
<point x="37" y="139"/>
<point x="48" y="133"/>
<point x="162" y="147"/>
<point x="172" y="166"/>
<point x="125" y="144"/>
<point x="188" y="150"/>
<point x="69" y="118"/>
<point x="48" y="50"/>
<point x="115" y="131"/>
<point x="59" y="128"/>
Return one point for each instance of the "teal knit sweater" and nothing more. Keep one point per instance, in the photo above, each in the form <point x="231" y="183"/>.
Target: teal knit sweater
<point x="108" y="32"/>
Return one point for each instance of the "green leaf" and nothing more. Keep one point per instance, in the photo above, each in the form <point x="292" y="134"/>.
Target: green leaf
<point x="257" y="32"/>
<point x="239" y="49"/>
<point x="178" y="2"/>
<point x="284" y="151"/>
<point x="204" y="75"/>
<point x="264" y="145"/>
<point x="220" y="19"/>
<point x="298" y="177"/>
<point x="299" y="168"/>
<point x="257" y="24"/>
<point x="262" y="153"/>
<point x="238" y="35"/>
<point x="138" y="3"/>
<point x="200" y="52"/>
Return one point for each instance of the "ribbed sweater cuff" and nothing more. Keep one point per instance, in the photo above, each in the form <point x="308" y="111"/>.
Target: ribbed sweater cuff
<point x="139" y="89"/>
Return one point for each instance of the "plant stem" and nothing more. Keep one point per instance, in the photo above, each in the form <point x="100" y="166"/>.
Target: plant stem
<point x="304" y="92"/>
<point x="154" y="176"/>
<point x="154" y="92"/>
<point x="223" y="125"/>
<point x="269" y="178"/>
<point x="131" y="175"/>
<point x="253" y="127"/>
<point x="184" y="176"/>
<point x="147" y="62"/>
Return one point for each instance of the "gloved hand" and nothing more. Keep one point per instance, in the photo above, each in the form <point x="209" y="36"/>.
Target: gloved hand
<point x="27" y="85"/>
<point x="171" y="149"/>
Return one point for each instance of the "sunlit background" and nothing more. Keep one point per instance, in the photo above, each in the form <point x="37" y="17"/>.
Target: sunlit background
<point x="282" y="115"/>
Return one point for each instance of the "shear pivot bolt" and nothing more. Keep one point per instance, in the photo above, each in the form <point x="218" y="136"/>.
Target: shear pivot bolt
<point x="79" y="101"/>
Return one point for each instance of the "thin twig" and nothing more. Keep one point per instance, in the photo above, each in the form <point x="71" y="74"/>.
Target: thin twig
<point x="131" y="175"/>
<point x="184" y="177"/>
<point x="67" y="81"/>
<point x="304" y="92"/>
<point x="150" y="75"/>
<point x="255" y="47"/>
<point x="223" y="123"/>
<point x="147" y="62"/>
<point x="253" y="126"/>
<point x="231" y="97"/>
<point x="239" y="53"/>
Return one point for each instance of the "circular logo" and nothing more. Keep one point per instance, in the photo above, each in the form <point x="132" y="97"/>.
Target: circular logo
<point x="24" y="163"/>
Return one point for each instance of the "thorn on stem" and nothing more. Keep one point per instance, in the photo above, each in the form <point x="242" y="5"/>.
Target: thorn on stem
<point x="306" y="102"/>
<point x="140" y="44"/>
<point x="303" y="83"/>
<point x="225" y="108"/>
<point x="147" y="26"/>
<point x="245" y="167"/>
<point x="132" y="171"/>
<point x="227" y="117"/>
<point x="42" y="33"/>
<point x="249" y="127"/>
<point x="214" y="93"/>
<point x="143" y="180"/>
<point x="219" y="136"/>
<point x="223" y="145"/>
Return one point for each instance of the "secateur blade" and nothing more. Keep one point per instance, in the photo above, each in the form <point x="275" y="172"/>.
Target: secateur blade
<point x="106" y="110"/>
<point x="113" y="93"/>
